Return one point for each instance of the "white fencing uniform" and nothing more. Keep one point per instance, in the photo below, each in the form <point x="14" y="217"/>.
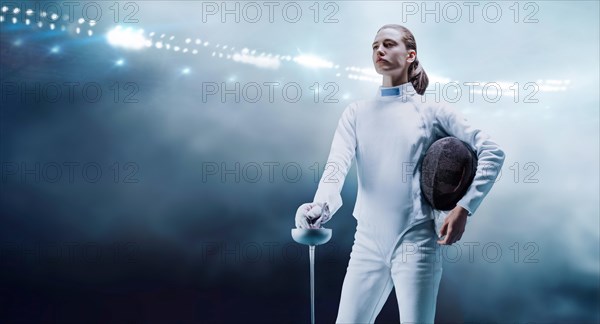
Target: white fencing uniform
<point x="388" y="136"/>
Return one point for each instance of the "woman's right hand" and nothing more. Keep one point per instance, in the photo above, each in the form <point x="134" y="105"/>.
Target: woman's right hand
<point x="310" y="215"/>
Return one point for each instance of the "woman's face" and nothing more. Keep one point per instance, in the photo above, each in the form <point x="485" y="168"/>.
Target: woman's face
<point x="389" y="53"/>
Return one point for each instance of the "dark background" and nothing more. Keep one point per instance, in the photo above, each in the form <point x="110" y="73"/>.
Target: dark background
<point x="155" y="238"/>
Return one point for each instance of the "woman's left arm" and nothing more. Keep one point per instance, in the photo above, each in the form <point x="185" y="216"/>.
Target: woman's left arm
<point x="490" y="158"/>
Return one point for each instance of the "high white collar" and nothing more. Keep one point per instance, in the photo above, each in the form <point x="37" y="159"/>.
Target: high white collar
<point x="390" y="93"/>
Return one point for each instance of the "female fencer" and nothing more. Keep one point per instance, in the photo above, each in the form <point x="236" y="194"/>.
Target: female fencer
<point x="396" y="243"/>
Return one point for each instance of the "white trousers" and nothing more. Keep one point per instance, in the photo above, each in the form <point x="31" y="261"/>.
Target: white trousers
<point x="412" y="265"/>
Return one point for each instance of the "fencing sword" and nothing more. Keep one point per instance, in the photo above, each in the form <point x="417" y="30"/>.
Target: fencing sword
<point x="312" y="237"/>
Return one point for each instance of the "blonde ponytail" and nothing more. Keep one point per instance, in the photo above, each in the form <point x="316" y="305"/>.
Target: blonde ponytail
<point x="418" y="77"/>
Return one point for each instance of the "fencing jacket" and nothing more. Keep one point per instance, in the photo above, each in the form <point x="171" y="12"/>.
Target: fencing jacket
<point x="388" y="137"/>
